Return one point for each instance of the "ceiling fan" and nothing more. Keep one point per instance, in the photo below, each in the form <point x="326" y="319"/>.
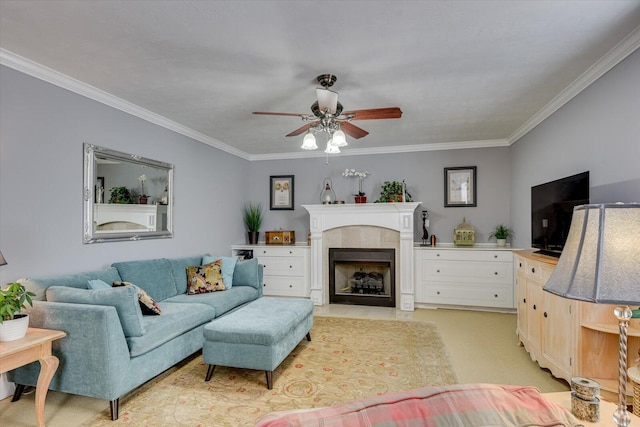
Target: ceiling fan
<point x="328" y="116"/>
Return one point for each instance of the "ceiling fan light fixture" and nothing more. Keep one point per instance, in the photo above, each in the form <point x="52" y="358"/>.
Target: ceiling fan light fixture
<point x="327" y="100"/>
<point x="339" y="139"/>
<point x="331" y="149"/>
<point x="309" y="142"/>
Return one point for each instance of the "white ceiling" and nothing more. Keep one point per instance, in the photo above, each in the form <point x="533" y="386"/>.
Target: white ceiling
<point x="464" y="73"/>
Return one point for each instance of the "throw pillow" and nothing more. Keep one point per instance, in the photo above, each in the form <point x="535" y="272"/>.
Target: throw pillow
<point x="147" y="304"/>
<point x="97" y="284"/>
<point x="247" y="273"/>
<point x="205" y="278"/>
<point x="228" y="266"/>
<point x="125" y="301"/>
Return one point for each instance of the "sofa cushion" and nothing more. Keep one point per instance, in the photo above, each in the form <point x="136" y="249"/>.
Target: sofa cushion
<point x="97" y="284"/>
<point x="228" y="267"/>
<point x="79" y="280"/>
<point x="147" y="304"/>
<point x="205" y="278"/>
<point x="153" y="275"/>
<point x="222" y="302"/>
<point x="176" y="320"/>
<point x="246" y="273"/>
<point x="178" y="269"/>
<point x="125" y="301"/>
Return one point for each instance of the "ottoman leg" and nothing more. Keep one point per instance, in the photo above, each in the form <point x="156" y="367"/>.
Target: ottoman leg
<point x="308" y="336"/>
<point x="210" y="372"/>
<point x="269" y="380"/>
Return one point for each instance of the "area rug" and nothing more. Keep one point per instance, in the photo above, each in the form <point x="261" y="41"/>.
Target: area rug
<point x="347" y="359"/>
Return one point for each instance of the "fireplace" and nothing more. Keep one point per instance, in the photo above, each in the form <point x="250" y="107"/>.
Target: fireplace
<point x="362" y="276"/>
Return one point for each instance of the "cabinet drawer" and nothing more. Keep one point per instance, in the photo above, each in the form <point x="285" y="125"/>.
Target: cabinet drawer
<point x="282" y="266"/>
<point x="278" y="251"/>
<point x="467" y="272"/>
<point x="521" y="265"/>
<point x="284" y="286"/>
<point x="447" y="293"/>
<point x="468" y="255"/>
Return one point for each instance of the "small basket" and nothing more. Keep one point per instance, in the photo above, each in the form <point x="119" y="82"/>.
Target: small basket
<point x="634" y="373"/>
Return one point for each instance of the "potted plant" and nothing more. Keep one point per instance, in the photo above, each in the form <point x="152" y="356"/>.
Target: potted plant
<point x="143" y="199"/>
<point x="13" y="324"/>
<point x="120" y="195"/>
<point x="394" y="191"/>
<point x="253" y="218"/>
<point x="501" y="233"/>
<point x="361" y="197"/>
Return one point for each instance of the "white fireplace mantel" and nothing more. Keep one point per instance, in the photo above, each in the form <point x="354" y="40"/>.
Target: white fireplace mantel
<point x="394" y="216"/>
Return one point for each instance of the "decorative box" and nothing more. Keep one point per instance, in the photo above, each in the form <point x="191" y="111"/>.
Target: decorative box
<point x="464" y="234"/>
<point x="280" y="237"/>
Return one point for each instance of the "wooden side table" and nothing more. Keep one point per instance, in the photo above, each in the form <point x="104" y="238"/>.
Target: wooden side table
<point x="607" y="409"/>
<point x="36" y="345"/>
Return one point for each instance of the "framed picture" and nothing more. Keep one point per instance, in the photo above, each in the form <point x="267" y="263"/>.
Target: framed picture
<point x="281" y="189"/>
<point x="460" y="187"/>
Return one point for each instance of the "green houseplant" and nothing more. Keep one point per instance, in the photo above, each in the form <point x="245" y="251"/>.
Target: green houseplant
<point x="120" y="195"/>
<point x="394" y="191"/>
<point x="253" y="217"/>
<point x="501" y="233"/>
<point x="13" y="299"/>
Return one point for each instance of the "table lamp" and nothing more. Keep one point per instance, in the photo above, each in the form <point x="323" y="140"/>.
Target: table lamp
<point x="600" y="263"/>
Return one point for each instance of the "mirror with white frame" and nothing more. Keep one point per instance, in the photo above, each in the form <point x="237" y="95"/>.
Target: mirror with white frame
<point x="126" y="197"/>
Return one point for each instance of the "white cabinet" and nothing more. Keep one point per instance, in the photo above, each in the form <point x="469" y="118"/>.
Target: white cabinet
<point x="286" y="268"/>
<point x="470" y="277"/>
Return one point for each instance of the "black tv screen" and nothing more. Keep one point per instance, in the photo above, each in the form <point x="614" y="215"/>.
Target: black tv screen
<point x="552" y="206"/>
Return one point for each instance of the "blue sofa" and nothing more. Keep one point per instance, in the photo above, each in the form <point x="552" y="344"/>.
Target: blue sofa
<point x="111" y="347"/>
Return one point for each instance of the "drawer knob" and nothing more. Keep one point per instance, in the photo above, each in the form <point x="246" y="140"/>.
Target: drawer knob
<point x="495" y="256"/>
<point x="520" y="265"/>
<point x="264" y="252"/>
<point x="438" y="271"/>
<point x="545" y="314"/>
<point x="264" y="284"/>
<point x="291" y="266"/>
<point x="438" y="292"/>
<point x="496" y="273"/>
<point x="291" y="286"/>
<point x="524" y="300"/>
<point x="496" y="296"/>
<point x="437" y="254"/>
<point x="290" y="252"/>
<point x="534" y="306"/>
<point x="533" y="269"/>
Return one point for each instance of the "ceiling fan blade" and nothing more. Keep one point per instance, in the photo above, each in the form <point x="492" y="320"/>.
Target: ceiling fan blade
<point x="353" y="131"/>
<point x="327" y="100"/>
<point x="375" y="113"/>
<point x="266" y="113"/>
<point x="300" y="130"/>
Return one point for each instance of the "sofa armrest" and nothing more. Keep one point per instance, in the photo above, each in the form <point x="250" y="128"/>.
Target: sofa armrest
<point x="94" y="355"/>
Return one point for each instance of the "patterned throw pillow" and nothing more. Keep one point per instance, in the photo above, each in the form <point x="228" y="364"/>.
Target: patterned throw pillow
<point x="205" y="278"/>
<point x="147" y="304"/>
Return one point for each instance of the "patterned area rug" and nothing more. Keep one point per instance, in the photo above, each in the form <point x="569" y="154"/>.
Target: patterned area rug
<point x="347" y="359"/>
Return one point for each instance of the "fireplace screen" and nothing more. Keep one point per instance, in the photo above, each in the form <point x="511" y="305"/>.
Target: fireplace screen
<point x="362" y="276"/>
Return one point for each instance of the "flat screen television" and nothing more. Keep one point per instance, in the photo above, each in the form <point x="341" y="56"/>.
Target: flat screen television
<point x="552" y="206"/>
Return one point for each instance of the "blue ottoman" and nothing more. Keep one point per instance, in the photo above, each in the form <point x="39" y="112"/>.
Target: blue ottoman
<point x="259" y="335"/>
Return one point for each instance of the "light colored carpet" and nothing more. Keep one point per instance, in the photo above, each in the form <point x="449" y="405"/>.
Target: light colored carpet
<point x="347" y="359"/>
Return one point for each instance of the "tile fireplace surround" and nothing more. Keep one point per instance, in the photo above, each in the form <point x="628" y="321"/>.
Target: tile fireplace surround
<point x="362" y="225"/>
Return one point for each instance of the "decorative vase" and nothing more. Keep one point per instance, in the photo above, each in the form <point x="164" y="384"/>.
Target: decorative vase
<point x="501" y="242"/>
<point x="11" y="330"/>
<point x="361" y="199"/>
<point x="253" y="237"/>
<point x="143" y="200"/>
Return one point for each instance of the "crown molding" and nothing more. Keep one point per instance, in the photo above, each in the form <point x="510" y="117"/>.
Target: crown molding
<point x="612" y="58"/>
<point x="440" y="146"/>
<point x="48" y="75"/>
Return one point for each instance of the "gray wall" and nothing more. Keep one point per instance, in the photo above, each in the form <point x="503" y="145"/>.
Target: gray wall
<point x="42" y="128"/>
<point x="598" y="131"/>
<point x="423" y="173"/>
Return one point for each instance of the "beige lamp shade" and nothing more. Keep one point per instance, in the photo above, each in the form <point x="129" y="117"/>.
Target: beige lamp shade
<point x="600" y="261"/>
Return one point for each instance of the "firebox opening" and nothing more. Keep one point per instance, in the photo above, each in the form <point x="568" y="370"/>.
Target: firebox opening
<point x="362" y="276"/>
